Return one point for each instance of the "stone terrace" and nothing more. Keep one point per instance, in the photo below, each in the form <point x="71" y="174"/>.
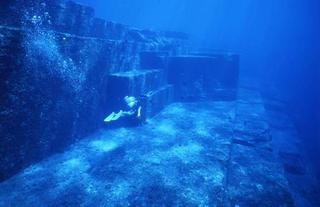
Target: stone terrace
<point x="191" y="154"/>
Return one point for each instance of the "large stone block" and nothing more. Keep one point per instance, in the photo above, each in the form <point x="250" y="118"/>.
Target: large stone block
<point x="204" y="77"/>
<point x="115" y="31"/>
<point x="124" y="56"/>
<point x="153" y="60"/>
<point x="108" y="30"/>
<point x="155" y="101"/>
<point x="98" y="28"/>
<point x="132" y="83"/>
<point x="77" y="18"/>
<point x="136" y="82"/>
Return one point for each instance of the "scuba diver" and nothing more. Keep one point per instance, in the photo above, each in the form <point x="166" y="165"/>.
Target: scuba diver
<point x="131" y="116"/>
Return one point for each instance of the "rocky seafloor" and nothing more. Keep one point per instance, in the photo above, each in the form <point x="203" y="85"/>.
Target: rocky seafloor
<point x="218" y="153"/>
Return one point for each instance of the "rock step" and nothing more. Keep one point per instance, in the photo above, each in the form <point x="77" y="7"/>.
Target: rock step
<point x="153" y="60"/>
<point x="154" y="101"/>
<point x="135" y="83"/>
<point x="254" y="168"/>
<point x="204" y="77"/>
<point x="223" y="68"/>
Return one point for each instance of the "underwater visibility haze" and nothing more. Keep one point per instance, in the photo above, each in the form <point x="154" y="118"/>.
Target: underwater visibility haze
<point x="159" y="103"/>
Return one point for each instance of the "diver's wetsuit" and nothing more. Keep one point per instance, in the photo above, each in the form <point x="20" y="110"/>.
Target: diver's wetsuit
<point x="134" y="119"/>
<point x="131" y="116"/>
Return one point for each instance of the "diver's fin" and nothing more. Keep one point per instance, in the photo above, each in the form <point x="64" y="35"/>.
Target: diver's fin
<point x="109" y="118"/>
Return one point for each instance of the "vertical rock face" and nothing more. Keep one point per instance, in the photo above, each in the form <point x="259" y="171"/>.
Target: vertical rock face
<point x="55" y="62"/>
<point x="204" y="76"/>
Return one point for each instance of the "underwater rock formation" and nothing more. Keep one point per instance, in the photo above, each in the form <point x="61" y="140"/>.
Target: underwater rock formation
<point x="185" y="156"/>
<point x="55" y="63"/>
<point x="211" y="138"/>
<point x="204" y="76"/>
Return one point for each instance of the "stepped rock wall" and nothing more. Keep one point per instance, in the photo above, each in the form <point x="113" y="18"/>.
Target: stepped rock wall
<point x="55" y="57"/>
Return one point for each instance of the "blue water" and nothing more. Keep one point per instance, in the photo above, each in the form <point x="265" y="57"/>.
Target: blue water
<point x="234" y="121"/>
